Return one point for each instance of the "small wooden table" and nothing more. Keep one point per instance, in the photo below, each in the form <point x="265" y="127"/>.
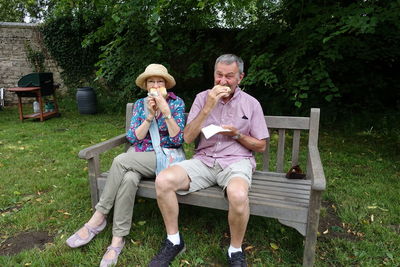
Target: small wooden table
<point x="34" y="92"/>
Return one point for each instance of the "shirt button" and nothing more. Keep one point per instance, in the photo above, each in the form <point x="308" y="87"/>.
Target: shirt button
<point x="215" y="155"/>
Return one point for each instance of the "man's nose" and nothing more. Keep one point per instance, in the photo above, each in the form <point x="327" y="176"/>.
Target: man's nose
<point x="223" y="81"/>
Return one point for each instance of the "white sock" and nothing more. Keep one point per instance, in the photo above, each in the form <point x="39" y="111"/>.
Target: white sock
<point x="233" y="250"/>
<point x="175" y="239"/>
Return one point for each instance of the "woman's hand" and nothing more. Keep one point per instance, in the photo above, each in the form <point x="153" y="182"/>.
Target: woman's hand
<point x="162" y="105"/>
<point x="151" y="106"/>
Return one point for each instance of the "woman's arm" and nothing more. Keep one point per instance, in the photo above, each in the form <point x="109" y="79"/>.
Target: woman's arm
<point x="139" y="125"/>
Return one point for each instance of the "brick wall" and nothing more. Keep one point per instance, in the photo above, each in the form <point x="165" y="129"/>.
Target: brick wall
<point x="13" y="60"/>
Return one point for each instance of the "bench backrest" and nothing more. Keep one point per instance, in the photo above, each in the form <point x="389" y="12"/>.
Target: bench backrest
<point x="282" y="126"/>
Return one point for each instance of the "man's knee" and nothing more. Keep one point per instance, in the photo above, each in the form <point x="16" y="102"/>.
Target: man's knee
<point x="237" y="193"/>
<point x="170" y="179"/>
<point x="165" y="181"/>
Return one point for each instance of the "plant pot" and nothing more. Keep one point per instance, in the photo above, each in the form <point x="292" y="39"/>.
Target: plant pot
<point x="86" y="99"/>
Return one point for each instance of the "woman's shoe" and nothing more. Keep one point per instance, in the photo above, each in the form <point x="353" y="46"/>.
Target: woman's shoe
<point x="111" y="262"/>
<point x="75" y="240"/>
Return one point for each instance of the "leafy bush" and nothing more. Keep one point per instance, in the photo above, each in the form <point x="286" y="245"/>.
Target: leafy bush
<point x="339" y="55"/>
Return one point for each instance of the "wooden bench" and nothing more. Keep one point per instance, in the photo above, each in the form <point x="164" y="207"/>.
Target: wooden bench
<point x="295" y="203"/>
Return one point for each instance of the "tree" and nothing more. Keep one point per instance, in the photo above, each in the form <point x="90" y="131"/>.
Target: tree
<point x="20" y="10"/>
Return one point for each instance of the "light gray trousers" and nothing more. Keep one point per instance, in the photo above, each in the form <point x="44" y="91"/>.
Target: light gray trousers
<point x="122" y="182"/>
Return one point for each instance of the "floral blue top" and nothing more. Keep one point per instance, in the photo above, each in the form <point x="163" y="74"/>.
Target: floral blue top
<point x="177" y="107"/>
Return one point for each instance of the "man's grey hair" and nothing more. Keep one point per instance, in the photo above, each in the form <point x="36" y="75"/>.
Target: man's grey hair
<point x="229" y="59"/>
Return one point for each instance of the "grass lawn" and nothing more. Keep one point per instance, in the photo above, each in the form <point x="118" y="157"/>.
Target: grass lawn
<point x="44" y="189"/>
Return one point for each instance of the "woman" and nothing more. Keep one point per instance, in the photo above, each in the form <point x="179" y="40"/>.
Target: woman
<point x="139" y="161"/>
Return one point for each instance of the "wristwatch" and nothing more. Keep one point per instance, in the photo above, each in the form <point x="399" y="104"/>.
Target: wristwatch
<point x="236" y="137"/>
<point x="168" y="117"/>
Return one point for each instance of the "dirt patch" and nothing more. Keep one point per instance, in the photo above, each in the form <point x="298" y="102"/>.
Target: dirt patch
<point x="330" y="225"/>
<point x="24" y="241"/>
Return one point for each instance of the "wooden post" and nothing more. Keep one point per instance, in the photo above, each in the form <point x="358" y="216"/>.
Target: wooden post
<point x="312" y="228"/>
<point x="21" y="115"/>
<point x="94" y="171"/>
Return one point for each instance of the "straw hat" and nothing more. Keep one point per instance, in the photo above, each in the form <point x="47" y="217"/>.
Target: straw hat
<point x="155" y="70"/>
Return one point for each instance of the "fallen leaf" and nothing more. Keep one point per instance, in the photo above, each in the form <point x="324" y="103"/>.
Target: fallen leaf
<point x="248" y="248"/>
<point x="325" y="232"/>
<point x="372" y="217"/>
<point x="273" y="246"/>
<point x="136" y="243"/>
<point x="185" y="262"/>
<point x="141" y="222"/>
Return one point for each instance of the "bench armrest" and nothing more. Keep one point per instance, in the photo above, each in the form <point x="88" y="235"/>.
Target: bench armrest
<point x="99" y="148"/>
<point x="314" y="169"/>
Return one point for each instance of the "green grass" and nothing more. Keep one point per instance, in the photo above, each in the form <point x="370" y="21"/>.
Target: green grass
<point x="44" y="187"/>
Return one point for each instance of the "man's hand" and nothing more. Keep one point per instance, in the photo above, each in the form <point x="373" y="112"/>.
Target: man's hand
<point x="216" y="93"/>
<point x="233" y="131"/>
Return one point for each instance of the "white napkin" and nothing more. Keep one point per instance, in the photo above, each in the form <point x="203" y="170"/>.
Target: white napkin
<point x="212" y="129"/>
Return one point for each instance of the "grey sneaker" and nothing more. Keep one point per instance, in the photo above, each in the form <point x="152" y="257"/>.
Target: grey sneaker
<point x="167" y="253"/>
<point x="237" y="259"/>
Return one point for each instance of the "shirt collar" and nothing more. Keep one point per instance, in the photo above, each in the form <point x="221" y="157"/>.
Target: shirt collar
<point x="171" y="95"/>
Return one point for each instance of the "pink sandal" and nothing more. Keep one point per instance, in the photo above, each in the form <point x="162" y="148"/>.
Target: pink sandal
<point x="111" y="262"/>
<point x="75" y="240"/>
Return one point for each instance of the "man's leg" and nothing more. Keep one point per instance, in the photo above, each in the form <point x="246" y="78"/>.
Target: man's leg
<point x="239" y="209"/>
<point x="167" y="183"/>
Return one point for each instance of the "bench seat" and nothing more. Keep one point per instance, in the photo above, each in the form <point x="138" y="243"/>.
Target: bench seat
<point x="271" y="195"/>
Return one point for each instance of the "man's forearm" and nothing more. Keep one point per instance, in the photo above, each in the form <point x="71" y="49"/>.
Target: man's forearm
<point x="192" y="130"/>
<point x="252" y="143"/>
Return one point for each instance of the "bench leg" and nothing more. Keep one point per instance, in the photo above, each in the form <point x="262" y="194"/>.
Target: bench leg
<point x="94" y="170"/>
<point x="312" y="228"/>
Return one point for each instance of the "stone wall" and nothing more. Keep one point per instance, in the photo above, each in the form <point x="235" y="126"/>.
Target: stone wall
<point x="13" y="60"/>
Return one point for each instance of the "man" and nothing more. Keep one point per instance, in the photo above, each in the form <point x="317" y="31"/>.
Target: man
<point x="225" y="159"/>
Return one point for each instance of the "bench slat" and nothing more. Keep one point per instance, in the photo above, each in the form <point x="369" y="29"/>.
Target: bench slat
<point x="282" y="122"/>
<point x="294" y="200"/>
<point x="281" y="151"/>
<point x="265" y="155"/>
<point x="295" y="147"/>
<point x="278" y="184"/>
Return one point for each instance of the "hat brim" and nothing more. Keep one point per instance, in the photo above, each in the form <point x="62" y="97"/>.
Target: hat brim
<point x="141" y="79"/>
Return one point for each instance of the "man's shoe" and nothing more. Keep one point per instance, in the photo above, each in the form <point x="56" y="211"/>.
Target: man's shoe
<point x="237" y="259"/>
<point x="167" y="253"/>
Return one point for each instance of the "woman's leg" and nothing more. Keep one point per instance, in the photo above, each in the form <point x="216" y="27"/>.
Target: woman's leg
<point x="143" y="164"/>
<point x="123" y="210"/>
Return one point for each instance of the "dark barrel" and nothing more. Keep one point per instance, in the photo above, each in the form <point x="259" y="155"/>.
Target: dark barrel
<point x="86" y="99"/>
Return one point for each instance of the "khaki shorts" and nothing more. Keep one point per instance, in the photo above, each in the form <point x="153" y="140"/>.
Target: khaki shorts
<point x="201" y="176"/>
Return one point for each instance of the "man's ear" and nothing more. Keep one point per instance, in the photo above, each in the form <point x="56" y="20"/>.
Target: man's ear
<point x="241" y="77"/>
